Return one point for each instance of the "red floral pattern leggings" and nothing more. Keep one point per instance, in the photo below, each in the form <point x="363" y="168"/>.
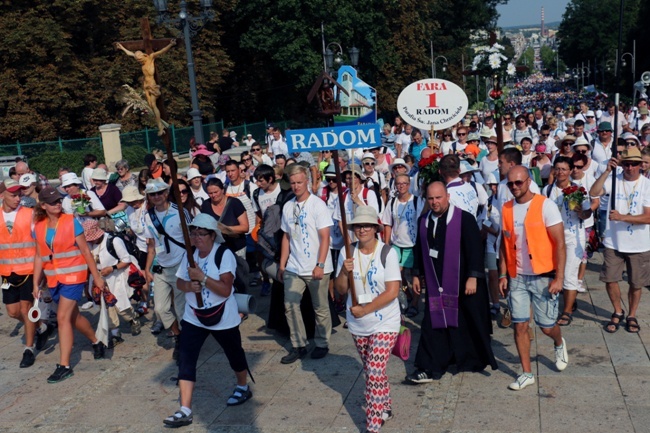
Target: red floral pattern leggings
<point x="374" y="351"/>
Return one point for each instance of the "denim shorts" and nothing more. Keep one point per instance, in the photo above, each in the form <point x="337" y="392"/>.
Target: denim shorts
<point x="527" y="289"/>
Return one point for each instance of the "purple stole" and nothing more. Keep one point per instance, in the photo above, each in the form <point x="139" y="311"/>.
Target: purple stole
<point x="443" y="300"/>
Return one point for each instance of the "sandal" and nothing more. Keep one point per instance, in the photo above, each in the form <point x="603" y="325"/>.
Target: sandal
<point x="566" y="318"/>
<point x="632" y="325"/>
<point x="620" y="316"/>
<point x="239" y="396"/>
<point x="179" y="419"/>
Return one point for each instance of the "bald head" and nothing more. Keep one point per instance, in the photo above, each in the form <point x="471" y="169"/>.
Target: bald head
<point x="22" y="168"/>
<point x="517" y="172"/>
<point x="438" y="198"/>
<point x="519" y="184"/>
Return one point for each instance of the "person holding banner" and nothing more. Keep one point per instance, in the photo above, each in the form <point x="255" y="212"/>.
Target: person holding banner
<point x="456" y="326"/>
<point x="375" y="321"/>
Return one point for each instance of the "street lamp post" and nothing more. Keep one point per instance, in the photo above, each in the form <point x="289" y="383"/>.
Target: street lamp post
<point x="189" y="26"/>
<point x="633" y="62"/>
<point x="444" y="65"/>
<point x="333" y="54"/>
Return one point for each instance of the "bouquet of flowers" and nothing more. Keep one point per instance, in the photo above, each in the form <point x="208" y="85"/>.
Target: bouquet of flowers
<point x="80" y="202"/>
<point x="574" y="195"/>
<point x="428" y="169"/>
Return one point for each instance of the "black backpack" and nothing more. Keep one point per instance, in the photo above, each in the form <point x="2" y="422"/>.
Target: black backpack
<point x="270" y="233"/>
<point x="131" y="248"/>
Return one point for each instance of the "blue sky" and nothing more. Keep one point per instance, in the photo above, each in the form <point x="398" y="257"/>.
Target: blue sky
<point x="522" y="12"/>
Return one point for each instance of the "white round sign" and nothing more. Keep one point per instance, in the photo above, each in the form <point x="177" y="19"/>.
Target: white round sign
<point x="432" y="102"/>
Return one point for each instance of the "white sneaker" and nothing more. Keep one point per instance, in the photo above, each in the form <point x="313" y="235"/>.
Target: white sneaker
<point x="561" y="356"/>
<point x="581" y="287"/>
<point x="88" y="305"/>
<point x="522" y="382"/>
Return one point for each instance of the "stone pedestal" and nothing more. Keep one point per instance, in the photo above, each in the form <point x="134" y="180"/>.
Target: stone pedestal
<point x="111" y="144"/>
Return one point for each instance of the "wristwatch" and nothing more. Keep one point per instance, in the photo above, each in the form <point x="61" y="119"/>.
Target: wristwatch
<point x="321" y="265"/>
<point x="115" y="267"/>
<point x="205" y="280"/>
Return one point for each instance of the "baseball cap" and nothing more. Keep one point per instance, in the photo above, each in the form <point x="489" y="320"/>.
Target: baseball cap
<point x="10" y="185"/>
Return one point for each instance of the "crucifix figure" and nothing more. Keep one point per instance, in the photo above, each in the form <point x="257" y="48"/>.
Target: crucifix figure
<point x="147" y="60"/>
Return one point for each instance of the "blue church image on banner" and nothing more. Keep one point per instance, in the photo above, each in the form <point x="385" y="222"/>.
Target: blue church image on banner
<point x="360" y="107"/>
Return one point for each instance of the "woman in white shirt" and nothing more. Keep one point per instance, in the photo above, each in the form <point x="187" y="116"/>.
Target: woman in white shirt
<point x="213" y="279"/>
<point x="374" y="321"/>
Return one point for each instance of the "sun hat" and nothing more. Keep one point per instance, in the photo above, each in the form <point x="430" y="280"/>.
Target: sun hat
<point x="473" y="136"/>
<point x="466" y="167"/>
<point x="485" y="132"/>
<point x="590" y="114"/>
<point x="397" y="162"/>
<point x="643" y="110"/>
<point x="492" y="139"/>
<point x="192" y="173"/>
<point x="330" y="171"/>
<point x="356" y="170"/>
<point x="581" y="141"/>
<point x="567" y="138"/>
<point x="233" y="134"/>
<point x="201" y="149"/>
<point x="491" y="179"/>
<point x="130" y="193"/>
<point x="605" y="126"/>
<point x="99" y="174"/>
<point x="49" y="195"/>
<point x="155" y="185"/>
<point x="70" y="179"/>
<point x="365" y="215"/>
<point x="630" y="136"/>
<point x="368" y="155"/>
<point x="632" y="154"/>
<point x="10" y="185"/>
<point x="27" y="180"/>
<point x="570" y="121"/>
<point x="540" y="148"/>
<point x="206" y="221"/>
<point x="223" y="159"/>
<point x="92" y="231"/>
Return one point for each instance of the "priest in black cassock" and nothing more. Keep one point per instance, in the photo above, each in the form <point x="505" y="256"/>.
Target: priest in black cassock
<point x="456" y="327"/>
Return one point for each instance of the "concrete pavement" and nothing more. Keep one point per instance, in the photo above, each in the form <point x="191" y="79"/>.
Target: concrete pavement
<point x="605" y="388"/>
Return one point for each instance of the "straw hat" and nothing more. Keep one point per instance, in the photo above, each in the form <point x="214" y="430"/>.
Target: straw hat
<point x="131" y="193"/>
<point x="581" y="141"/>
<point x="632" y="154"/>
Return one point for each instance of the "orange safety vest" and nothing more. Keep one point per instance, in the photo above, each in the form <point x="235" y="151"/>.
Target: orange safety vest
<point x="541" y="247"/>
<point x="17" y="249"/>
<point x="63" y="263"/>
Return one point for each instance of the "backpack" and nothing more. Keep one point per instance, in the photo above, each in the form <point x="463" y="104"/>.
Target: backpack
<point x="247" y="187"/>
<point x="135" y="279"/>
<point x="376" y="187"/>
<point x="382" y="256"/>
<point x="270" y="232"/>
<point x="365" y="195"/>
<point x="415" y="203"/>
<point x="131" y="248"/>
<point x="241" y="272"/>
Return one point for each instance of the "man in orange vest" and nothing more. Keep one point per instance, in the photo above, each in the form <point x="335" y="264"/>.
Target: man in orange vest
<point x="531" y="266"/>
<point x="17" y="252"/>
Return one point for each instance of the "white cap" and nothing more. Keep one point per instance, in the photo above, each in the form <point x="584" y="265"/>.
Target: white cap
<point x="590" y="114"/>
<point x="27" y="180"/>
<point x="368" y="155"/>
<point x="70" y="179"/>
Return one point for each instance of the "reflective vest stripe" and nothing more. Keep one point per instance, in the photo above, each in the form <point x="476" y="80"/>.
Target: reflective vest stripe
<point x="17" y="245"/>
<point x="16" y="261"/>
<point x="63" y="271"/>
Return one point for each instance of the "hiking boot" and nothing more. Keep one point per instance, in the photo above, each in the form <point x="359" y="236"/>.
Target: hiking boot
<point x="41" y="337"/>
<point x="61" y="373"/>
<point x="28" y="359"/>
<point x="294" y="355"/>
<point x="114" y="341"/>
<point x="99" y="350"/>
<point x="135" y="327"/>
<point x="522" y="382"/>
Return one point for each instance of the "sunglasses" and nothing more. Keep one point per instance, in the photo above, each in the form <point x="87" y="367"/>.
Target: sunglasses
<point x="256" y="150"/>
<point x="517" y="183"/>
<point x="368" y="163"/>
<point x="578" y="167"/>
<point x="462" y="134"/>
<point x="544" y="135"/>
<point x="183" y="191"/>
<point x="507" y="118"/>
<point x="331" y="179"/>
<point x="198" y="234"/>
<point x="56" y="202"/>
<point x="363" y="227"/>
<point x="584" y="152"/>
<point x="246" y="159"/>
<point x="155" y="194"/>
<point x="631" y="164"/>
<point x="521" y="121"/>
<point x="603" y="132"/>
<point x="631" y="143"/>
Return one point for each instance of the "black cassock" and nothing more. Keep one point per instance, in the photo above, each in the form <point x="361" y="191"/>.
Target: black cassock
<point x="467" y="346"/>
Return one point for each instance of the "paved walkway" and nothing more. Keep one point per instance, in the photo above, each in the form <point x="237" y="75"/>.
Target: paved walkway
<point x="604" y="389"/>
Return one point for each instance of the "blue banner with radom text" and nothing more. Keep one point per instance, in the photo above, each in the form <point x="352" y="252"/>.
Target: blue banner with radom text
<point x="334" y="138"/>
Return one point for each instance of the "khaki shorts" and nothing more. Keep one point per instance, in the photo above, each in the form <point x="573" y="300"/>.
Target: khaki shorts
<point x="637" y="265"/>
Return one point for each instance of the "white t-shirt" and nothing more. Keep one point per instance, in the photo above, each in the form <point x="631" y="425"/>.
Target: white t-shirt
<point x="200" y="196"/>
<point x="302" y="221"/>
<point x="550" y="215"/>
<point x="239" y="191"/>
<point x="95" y="204"/>
<point x="279" y="147"/>
<point x="486" y="166"/>
<point x="405" y="141"/>
<point x="464" y="196"/>
<point x="86" y="177"/>
<point x="504" y="195"/>
<point x="230" y="317"/>
<point x="631" y="199"/>
<point x="138" y="222"/>
<point x="171" y="222"/>
<point x="402" y="218"/>
<point x="574" y="227"/>
<point x="10" y="218"/>
<point x="492" y="215"/>
<point x="386" y="319"/>
<point x="266" y="199"/>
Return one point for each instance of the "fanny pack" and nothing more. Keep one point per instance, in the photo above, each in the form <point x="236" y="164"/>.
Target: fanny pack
<point x="210" y="316"/>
